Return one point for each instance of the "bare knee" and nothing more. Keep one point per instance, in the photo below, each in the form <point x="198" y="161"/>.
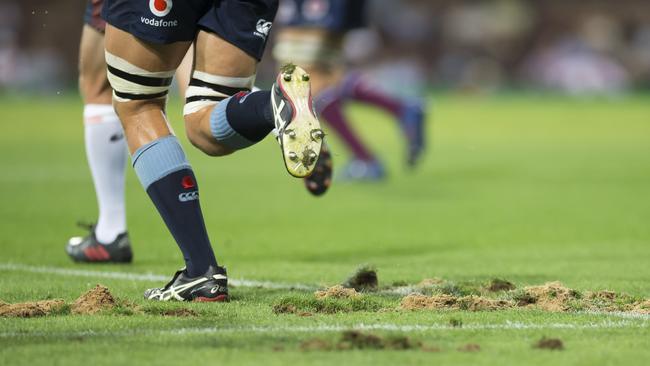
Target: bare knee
<point x="197" y="129"/>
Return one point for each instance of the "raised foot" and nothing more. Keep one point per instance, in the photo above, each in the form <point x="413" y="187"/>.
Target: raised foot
<point x="299" y="131"/>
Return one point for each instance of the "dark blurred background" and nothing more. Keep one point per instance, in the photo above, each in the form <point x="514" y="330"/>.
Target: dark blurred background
<point x="577" y="47"/>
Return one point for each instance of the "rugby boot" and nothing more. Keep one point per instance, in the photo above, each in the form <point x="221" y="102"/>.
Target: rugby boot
<point x="212" y="286"/>
<point x="296" y="126"/>
<point x="87" y="249"/>
<point x="321" y="178"/>
<point x="412" y="122"/>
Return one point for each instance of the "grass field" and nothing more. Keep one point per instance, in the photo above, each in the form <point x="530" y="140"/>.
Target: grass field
<point x="530" y="189"/>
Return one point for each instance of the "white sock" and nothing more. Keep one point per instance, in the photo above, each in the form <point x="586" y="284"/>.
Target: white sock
<point x="107" y="155"/>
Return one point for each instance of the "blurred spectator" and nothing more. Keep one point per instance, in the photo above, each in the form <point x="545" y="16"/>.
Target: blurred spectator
<point x="575" y="46"/>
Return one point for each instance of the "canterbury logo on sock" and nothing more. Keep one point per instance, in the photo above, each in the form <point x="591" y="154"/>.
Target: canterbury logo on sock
<point x="188" y="196"/>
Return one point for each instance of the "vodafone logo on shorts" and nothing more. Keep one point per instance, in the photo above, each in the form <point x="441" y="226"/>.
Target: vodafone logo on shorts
<point x="160" y="8"/>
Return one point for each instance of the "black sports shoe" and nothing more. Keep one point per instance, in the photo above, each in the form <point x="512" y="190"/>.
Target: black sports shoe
<point x="296" y="127"/>
<point x="88" y="249"/>
<point x="212" y="286"/>
<point x="320" y="180"/>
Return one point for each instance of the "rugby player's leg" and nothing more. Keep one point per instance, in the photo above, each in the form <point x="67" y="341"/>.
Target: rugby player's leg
<point x="221" y="71"/>
<point x="409" y="114"/>
<point x="222" y="114"/>
<point x="140" y="74"/>
<point x="104" y="139"/>
<point x="319" y="50"/>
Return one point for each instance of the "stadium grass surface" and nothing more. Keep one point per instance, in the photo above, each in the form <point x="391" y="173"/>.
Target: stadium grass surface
<point x="530" y="189"/>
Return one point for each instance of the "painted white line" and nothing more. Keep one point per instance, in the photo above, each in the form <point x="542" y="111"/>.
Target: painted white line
<point x="146" y="277"/>
<point x="339" y="328"/>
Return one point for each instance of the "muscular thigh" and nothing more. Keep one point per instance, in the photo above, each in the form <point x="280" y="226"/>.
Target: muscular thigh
<point x="215" y="56"/>
<point x="93" y="84"/>
<point x="143" y="118"/>
<point x="147" y="56"/>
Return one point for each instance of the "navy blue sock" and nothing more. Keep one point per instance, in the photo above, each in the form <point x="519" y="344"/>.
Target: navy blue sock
<point x="168" y="179"/>
<point x="243" y="119"/>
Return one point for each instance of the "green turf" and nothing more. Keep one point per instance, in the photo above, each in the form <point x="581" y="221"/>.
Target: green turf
<point x="530" y="189"/>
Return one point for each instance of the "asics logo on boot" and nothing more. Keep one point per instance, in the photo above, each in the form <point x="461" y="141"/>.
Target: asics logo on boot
<point x="188" y="196"/>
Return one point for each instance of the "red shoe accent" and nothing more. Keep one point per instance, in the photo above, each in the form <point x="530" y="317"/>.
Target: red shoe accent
<point x="220" y="298"/>
<point x="96" y="254"/>
<point x="102" y="253"/>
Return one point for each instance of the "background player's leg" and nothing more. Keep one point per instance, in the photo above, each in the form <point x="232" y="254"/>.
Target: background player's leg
<point x="104" y="139"/>
<point x="220" y="90"/>
<point x="158" y="158"/>
<point x="222" y="114"/>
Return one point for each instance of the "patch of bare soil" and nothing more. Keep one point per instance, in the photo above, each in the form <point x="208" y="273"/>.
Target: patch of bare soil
<point x="363" y="279"/>
<point x="551" y="296"/>
<point x="470" y="347"/>
<point x="338" y="292"/>
<point x="498" y="284"/>
<point x="31" y="309"/>
<point x="441" y="302"/>
<point x="550" y="344"/>
<point x="94" y="301"/>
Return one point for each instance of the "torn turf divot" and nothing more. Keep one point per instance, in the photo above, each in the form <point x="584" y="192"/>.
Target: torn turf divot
<point x="94" y="301"/>
<point x="31" y="309"/>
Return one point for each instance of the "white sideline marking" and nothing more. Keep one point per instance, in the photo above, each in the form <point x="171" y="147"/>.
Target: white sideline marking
<point x="147" y="277"/>
<point x="340" y="328"/>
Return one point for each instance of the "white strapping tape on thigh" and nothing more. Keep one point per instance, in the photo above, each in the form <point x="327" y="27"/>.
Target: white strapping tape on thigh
<point x="130" y="82"/>
<point x="207" y="90"/>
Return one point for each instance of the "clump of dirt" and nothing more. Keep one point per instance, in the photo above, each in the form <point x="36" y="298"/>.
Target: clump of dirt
<point x="456" y="323"/>
<point x="32" y="309"/>
<point x="643" y="307"/>
<point x="353" y="339"/>
<point x="551" y="296"/>
<point x="94" y="301"/>
<point x="549" y="343"/>
<point x="500" y="294"/>
<point x="497" y="285"/>
<point x="419" y="301"/>
<point x="440" y="302"/>
<point x="478" y="303"/>
<point x="430" y="282"/>
<point x="356" y="340"/>
<point x="337" y="292"/>
<point x="470" y="347"/>
<point x="602" y="295"/>
<point x="284" y="308"/>
<point x="363" y="279"/>
<point x="316" y="344"/>
<point x="181" y="312"/>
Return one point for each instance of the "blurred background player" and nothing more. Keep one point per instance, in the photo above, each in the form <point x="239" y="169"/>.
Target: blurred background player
<point x="312" y="34"/>
<point x="108" y="240"/>
<point x="106" y="150"/>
